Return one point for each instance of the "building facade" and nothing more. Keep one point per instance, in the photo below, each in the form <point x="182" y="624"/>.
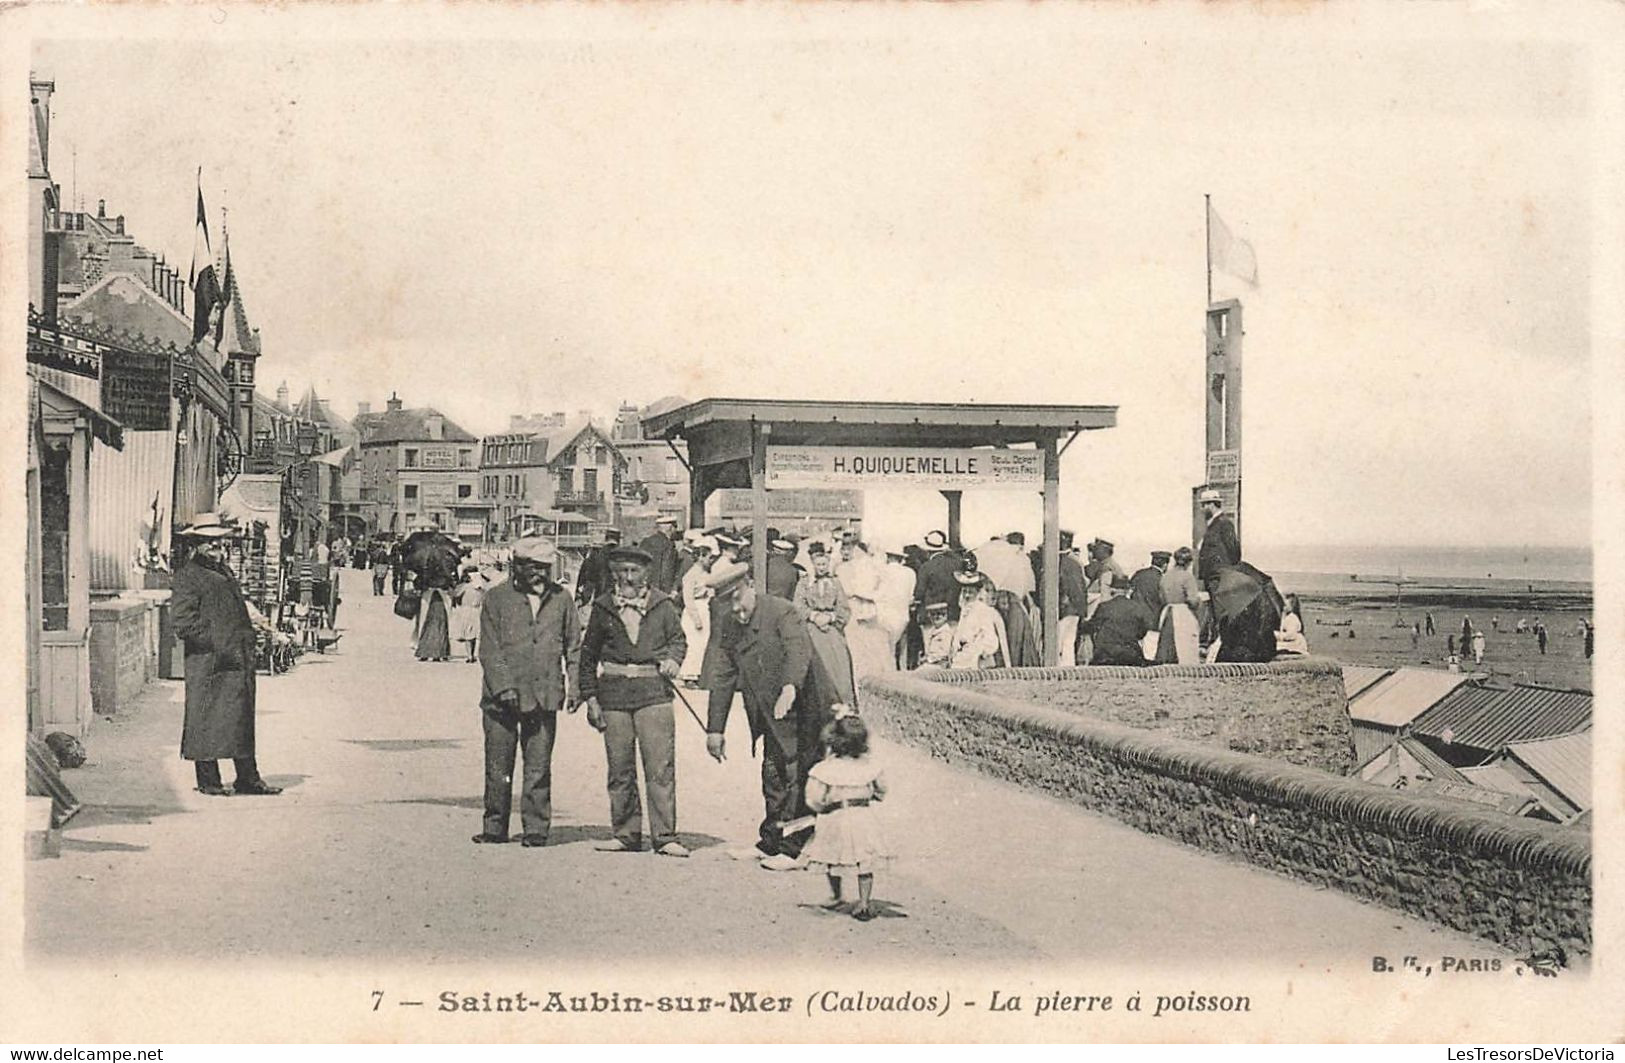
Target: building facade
<point x="549" y="469"/>
<point x="656" y="479"/>
<point x="419" y="469"/>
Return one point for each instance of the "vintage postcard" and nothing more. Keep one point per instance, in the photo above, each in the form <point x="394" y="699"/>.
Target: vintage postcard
<point x="565" y="522"/>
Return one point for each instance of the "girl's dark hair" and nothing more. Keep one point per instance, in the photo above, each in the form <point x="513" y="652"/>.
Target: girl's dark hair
<point x="847" y="737"/>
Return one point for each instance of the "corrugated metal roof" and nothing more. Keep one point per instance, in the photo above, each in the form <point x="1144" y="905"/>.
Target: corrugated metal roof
<point x="1487" y="717"/>
<point x="1431" y="762"/>
<point x="1403" y="696"/>
<point x="123" y="485"/>
<point x="1359" y="678"/>
<point x="1493" y="776"/>
<point x="1370" y="741"/>
<point x="1564" y="762"/>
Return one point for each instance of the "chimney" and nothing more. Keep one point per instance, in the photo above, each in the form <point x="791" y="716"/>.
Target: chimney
<point x="118" y="222"/>
<point x="394" y="403"/>
<point x="363" y="408"/>
<point x="40" y="93"/>
<point x="101" y="208"/>
<point x="282" y="393"/>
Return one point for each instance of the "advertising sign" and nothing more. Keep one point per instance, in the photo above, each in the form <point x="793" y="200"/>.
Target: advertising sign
<point x="1223" y="466"/>
<point x="940" y="468"/>
<point x="438" y="458"/>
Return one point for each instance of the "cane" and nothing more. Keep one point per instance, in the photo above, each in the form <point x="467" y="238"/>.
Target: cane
<point x="674" y="689"/>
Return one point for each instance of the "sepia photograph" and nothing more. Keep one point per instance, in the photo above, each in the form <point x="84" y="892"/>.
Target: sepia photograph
<point x="812" y="522"/>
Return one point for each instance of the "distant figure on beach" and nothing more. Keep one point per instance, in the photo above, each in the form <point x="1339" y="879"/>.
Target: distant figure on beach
<point x="1590" y="638"/>
<point x="1478" y="647"/>
<point x="1495" y="623"/>
<point x="1450" y="645"/>
<point x="1540" y="636"/>
<point x="1416" y="635"/>
<point x="1430" y="628"/>
<point x="1466" y="633"/>
<point x="1523" y="626"/>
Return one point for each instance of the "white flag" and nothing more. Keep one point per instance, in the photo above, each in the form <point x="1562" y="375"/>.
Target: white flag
<point x="1228" y="252"/>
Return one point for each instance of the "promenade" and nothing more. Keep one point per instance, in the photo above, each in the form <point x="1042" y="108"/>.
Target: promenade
<point x="367" y="853"/>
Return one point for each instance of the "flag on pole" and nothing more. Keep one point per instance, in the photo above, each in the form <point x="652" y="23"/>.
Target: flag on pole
<point x="1229" y="253"/>
<point x="226" y="288"/>
<point x="205" y="285"/>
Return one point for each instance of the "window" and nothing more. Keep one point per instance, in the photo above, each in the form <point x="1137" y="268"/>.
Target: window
<point x="589" y="481"/>
<point x="55" y="554"/>
<point x="410" y="460"/>
<point x="465" y="458"/>
<point x="672" y="475"/>
<point x="566" y="482"/>
<point x="465" y="490"/>
<point x="409" y="492"/>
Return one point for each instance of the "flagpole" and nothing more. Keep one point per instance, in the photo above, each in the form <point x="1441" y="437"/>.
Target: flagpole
<point x="1207" y="230"/>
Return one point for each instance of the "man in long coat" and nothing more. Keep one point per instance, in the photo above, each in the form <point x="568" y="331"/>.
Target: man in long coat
<point x="661" y="546"/>
<point x="1220" y="548"/>
<point x="762" y="651"/>
<point x="211" y="618"/>
<point x="529" y="639"/>
<point x="593" y="579"/>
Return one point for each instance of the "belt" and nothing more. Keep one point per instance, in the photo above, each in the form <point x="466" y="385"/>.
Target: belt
<point x="629" y="671"/>
<point x="851" y="802"/>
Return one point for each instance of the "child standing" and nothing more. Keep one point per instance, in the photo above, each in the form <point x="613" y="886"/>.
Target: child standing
<point x="842" y="788"/>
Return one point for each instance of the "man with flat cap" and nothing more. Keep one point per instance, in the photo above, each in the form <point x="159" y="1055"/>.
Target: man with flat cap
<point x="631" y="651"/>
<point x="528" y="637"/>
<point x="211" y="618"/>
<point x="761" y="650"/>
<point x="783" y="577"/>
<point x="661" y="546"/>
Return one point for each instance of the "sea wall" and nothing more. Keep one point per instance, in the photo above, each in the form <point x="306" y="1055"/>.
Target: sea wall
<point x="1521" y="884"/>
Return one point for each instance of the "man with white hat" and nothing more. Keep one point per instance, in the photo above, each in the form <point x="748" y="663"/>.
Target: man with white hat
<point x="529" y="638"/>
<point x="1221" y="546"/>
<point x="211" y="617"/>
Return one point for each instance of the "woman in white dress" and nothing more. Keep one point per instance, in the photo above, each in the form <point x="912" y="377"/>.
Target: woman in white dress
<point x="697" y="608"/>
<point x="980" y="640"/>
<point x="465" y="615"/>
<point x="866" y="635"/>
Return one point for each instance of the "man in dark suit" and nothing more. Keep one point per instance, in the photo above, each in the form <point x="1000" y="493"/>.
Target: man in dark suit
<point x="1145" y="586"/>
<point x="782" y="574"/>
<point x="764" y="653"/>
<point x="211" y="618"/>
<point x="1221" y="546"/>
<point x="593" y="579"/>
<point x="1117" y="629"/>
<point x="661" y="546"/>
<point x="528" y="650"/>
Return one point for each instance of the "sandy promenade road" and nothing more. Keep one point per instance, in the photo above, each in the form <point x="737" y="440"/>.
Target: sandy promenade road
<point x="367" y="853"/>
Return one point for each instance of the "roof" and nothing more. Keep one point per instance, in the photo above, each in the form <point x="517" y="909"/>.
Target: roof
<point x="125" y="302"/>
<point x="558" y="515"/>
<point x="665" y="405"/>
<point x="1562" y="762"/>
<point x="1403" y="696"/>
<point x="1494" y="776"/>
<point x="807" y="422"/>
<point x="1430" y="761"/>
<point x="1485" y="716"/>
<point x="408" y="426"/>
<point x="310" y="407"/>
<point x="560" y="439"/>
<point x="1357" y="678"/>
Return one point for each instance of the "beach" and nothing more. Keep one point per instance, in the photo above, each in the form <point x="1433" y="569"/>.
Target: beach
<point x="1360" y="621"/>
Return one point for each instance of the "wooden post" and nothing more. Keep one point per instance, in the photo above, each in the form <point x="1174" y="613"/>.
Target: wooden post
<point x="955" y="498"/>
<point x="696" y="495"/>
<point x="1051" y="590"/>
<point x="758" y="502"/>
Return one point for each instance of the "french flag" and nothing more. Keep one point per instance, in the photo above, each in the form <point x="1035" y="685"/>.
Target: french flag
<point x="206" y="292"/>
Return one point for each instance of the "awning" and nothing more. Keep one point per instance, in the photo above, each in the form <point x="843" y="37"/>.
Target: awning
<point x="103" y="427"/>
<point x="336" y="458"/>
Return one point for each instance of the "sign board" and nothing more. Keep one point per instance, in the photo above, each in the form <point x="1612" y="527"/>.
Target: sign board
<point x="939" y="468"/>
<point x="438" y="458"/>
<point x="1223" y="467"/>
<point x="438" y="493"/>
<point x="808" y="503"/>
<point x="470" y="529"/>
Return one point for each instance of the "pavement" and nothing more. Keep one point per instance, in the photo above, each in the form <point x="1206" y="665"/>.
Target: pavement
<point x="367" y="853"/>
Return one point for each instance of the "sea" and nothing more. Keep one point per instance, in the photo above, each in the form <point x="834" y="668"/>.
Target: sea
<point x="1557" y="568"/>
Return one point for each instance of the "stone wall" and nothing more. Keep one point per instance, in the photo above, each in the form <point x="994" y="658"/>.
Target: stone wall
<point x="121" y="652"/>
<point x="1512" y="881"/>
<point x="1294" y="711"/>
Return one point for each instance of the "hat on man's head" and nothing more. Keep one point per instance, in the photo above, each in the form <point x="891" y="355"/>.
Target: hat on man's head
<point x="783" y="546"/>
<point x="726" y="577"/>
<point x="1209" y="495"/>
<point x="935" y="540"/>
<point x="724" y="539"/>
<point x="692" y="536"/>
<point x="537" y="549"/>
<point x="1103" y="544"/>
<point x="666" y="518"/>
<point x="630" y="555"/>
<point x="207" y="526"/>
<point x="1161" y="557"/>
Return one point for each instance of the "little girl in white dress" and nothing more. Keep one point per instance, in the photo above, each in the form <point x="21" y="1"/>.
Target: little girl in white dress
<point x="848" y="840"/>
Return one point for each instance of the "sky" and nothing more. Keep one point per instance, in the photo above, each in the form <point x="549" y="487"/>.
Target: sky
<point x="952" y="205"/>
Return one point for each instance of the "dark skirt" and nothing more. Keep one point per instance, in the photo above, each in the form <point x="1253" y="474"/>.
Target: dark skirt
<point x="434" y="641"/>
